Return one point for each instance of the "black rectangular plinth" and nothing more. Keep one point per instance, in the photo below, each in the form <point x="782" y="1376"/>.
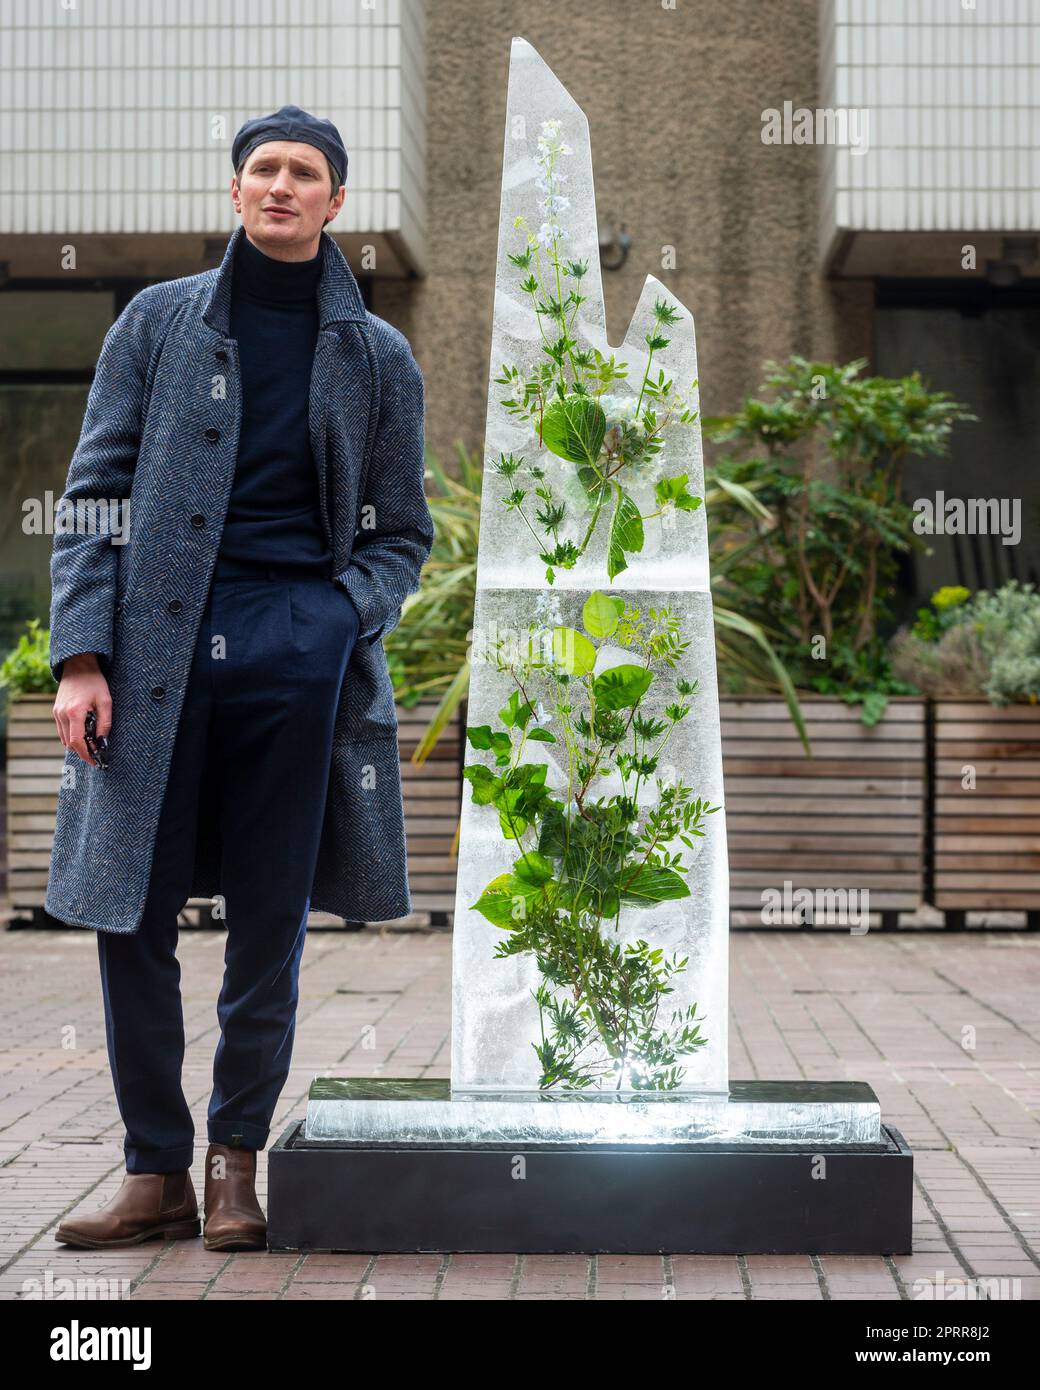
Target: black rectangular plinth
<point x="587" y="1199"/>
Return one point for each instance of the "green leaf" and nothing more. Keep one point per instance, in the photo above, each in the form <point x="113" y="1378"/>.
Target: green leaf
<point x="501" y="899"/>
<point x="875" y="702"/>
<point x="533" y="868"/>
<point x="596" y="486"/>
<point x="573" y="429"/>
<point x="484" y="782"/>
<point x="511" y="822"/>
<point x="540" y="735"/>
<point x="626" y="533"/>
<point x="675" y="490"/>
<point x="513" y="714"/>
<point x="601" y="614"/>
<point x="653" y="884"/>
<point x="481" y="736"/>
<point x="521" y="793"/>
<point x="573" y="651"/>
<point x="621" y="686"/>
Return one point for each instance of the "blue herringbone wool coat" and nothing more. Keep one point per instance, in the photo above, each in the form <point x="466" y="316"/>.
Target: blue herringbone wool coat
<point x="161" y="429"/>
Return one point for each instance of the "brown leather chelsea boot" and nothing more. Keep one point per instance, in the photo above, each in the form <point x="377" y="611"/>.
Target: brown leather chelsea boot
<point x="148" y="1206"/>
<point x="233" y="1216"/>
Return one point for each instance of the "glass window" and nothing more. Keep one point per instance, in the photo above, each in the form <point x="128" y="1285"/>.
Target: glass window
<point x="53" y="330"/>
<point x="39" y="429"/>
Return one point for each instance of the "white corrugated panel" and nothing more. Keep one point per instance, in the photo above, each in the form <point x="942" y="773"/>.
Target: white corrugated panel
<point x="953" y="100"/>
<point x="117" y="116"/>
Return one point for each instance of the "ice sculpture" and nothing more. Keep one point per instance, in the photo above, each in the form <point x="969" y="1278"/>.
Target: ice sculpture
<point x="590" y="1005"/>
<point x="590" y="949"/>
<point x="591" y="919"/>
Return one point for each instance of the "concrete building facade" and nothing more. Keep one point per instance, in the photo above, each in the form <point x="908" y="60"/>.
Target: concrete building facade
<point x="116" y="120"/>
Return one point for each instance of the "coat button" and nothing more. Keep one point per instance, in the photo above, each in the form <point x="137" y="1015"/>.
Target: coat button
<point x="174" y="605"/>
<point x="198" y="520"/>
<point x="212" y="435"/>
<point x="158" y="692"/>
<point x="221" y="355"/>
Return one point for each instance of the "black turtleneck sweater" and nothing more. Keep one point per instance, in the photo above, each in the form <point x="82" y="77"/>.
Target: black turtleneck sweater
<point x="274" y="514"/>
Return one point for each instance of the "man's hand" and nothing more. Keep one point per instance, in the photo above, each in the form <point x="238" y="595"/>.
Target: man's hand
<point x="82" y="688"/>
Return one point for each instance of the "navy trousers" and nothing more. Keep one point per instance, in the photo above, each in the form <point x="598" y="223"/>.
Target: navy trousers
<point x="256" y="729"/>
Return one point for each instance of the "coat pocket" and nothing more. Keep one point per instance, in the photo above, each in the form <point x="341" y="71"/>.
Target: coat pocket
<point x="368" y="694"/>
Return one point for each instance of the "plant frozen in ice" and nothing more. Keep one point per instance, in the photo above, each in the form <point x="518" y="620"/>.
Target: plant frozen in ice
<point x="605" y="436"/>
<point x="583" y="857"/>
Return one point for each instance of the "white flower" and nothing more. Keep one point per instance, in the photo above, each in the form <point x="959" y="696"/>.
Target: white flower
<point x="550" y="230"/>
<point x="540" y="717"/>
<point x="547" y="605"/>
<point x="547" y="185"/>
<point x="556" y="202"/>
<point x="552" y="127"/>
<point x="619" y="409"/>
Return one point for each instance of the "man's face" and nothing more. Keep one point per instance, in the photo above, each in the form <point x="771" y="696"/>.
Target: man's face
<point x="285" y="198"/>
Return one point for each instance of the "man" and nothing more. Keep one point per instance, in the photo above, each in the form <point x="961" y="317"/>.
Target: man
<point x="266" y="434"/>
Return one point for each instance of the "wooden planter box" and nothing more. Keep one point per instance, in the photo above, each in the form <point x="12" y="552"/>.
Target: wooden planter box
<point x="852" y="816"/>
<point x="987" y="840"/>
<point x="34" y="762"/>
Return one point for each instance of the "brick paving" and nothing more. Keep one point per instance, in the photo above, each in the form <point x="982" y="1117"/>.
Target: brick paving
<point x="944" y="1026"/>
